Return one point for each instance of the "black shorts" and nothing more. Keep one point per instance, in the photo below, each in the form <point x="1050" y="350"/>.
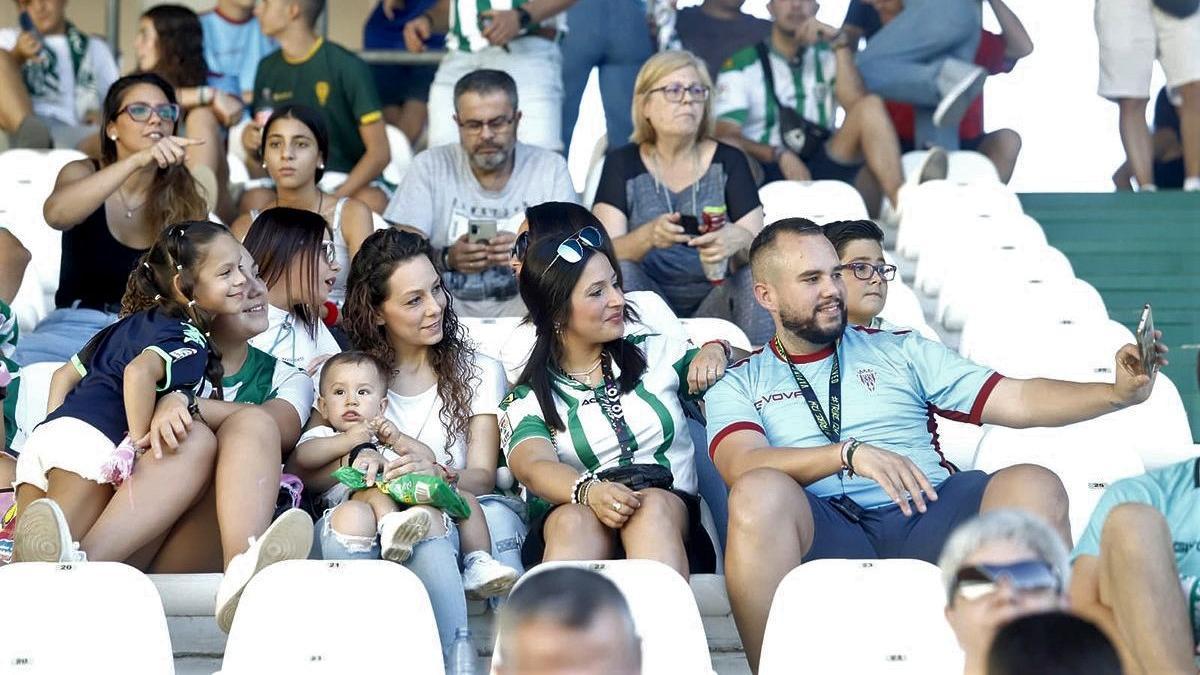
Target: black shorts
<point x="886" y="532"/>
<point x="398" y="83"/>
<point x="821" y="166"/>
<point x="702" y="556"/>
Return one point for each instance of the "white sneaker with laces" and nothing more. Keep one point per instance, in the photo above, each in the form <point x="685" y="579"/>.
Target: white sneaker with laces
<point x="960" y="82"/>
<point x="42" y="535"/>
<point x="400" y="531"/>
<point x="288" y="538"/>
<point x="485" y="577"/>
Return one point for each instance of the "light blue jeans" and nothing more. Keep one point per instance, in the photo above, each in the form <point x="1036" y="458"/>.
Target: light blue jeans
<point x="436" y="561"/>
<point x="712" y="486"/>
<point x="610" y="35"/>
<point x="901" y="62"/>
<point x="61" y="335"/>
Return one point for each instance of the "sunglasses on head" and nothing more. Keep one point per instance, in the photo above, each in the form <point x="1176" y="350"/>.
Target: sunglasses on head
<point x="975" y="581"/>
<point x="571" y="250"/>
<point x="330" y="250"/>
<point x="520" y="246"/>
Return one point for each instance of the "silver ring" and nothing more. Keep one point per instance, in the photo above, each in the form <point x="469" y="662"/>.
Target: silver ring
<point x="616" y="506"/>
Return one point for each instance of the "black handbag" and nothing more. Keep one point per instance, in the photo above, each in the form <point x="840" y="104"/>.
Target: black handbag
<point x="798" y="134"/>
<point x="1178" y="8"/>
<point x="639" y="476"/>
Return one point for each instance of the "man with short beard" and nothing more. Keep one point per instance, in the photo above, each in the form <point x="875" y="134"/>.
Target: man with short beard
<point x="483" y="183"/>
<point x="824" y="434"/>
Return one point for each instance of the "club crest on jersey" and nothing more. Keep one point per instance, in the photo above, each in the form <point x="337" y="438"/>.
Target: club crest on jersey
<point x="867" y="377"/>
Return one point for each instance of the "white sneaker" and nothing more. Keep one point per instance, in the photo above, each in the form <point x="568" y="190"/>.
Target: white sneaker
<point x="42" y="535"/>
<point x="960" y="82"/>
<point x="485" y="577"/>
<point x="400" y="531"/>
<point x="934" y="166"/>
<point x="288" y="538"/>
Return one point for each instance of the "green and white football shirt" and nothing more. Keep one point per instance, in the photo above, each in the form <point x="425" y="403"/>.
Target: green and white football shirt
<point x="805" y="84"/>
<point x="262" y="378"/>
<point x="466" y="33"/>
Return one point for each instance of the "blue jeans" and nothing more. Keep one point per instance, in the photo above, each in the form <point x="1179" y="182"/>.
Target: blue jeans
<point x="610" y="35"/>
<point x="901" y="62"/>
<point x="712" y="486"/>
<point x="436" y="560"/>
<point x="61" y="335"/>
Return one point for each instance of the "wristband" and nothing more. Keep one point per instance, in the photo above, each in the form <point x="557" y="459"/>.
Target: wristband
<point x="524" y="17"/>
<point x="725" y="346"/>
<point x="577" y="487"/>
<point x="3" y="393"/>
<point x="449" y="474"/>
<point x="357" y="449"/>
<point x="850" y="447"/>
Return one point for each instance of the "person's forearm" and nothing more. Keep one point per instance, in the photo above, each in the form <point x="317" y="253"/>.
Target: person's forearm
<point x="634" y="245"/>
<point x="140" y="399"/>
<point x="806" y="465"/>
<point x="1017" y="43"/>
<point x="191" y="97"/>
<point x="316" y="480"/>
<point x="549" y="479"/>
<point x="70" y="204"/>
<point x="61" y="383"/>
<point x="318" y="452"/>
<point x="1049" y="403"/>
<point x="849" y="87"/>
<point x="477" y="481"/>
<point x="439" y="16"/>
<point x="369" y="167"/>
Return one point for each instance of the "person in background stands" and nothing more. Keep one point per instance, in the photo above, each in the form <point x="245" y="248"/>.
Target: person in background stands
<point x="1168" y="148"/>
<point x="717" y="29"/>
<point x="403" y="88"/>
<point x="233" y="46"/>
<point x="519" y="37"/>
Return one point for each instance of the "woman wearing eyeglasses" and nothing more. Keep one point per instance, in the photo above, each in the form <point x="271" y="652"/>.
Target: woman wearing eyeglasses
<point x="594" y="427"/>
<point x="111" y="211"/>
<point x="296" y="257"/>
<point x="680" y="207"/>
<point x="859" y="245"/>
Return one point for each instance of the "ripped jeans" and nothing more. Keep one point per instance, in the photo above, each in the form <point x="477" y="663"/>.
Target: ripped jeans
<point x="437" y="561"/>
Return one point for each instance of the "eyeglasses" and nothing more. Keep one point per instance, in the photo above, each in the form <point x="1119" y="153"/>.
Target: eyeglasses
<point x="572" y="247"/>
<point x="495" y="125"/>
<point x="1027" y="576"/>
<point x="140" y="112"/>
<point x="674" y="92"/>
<point x="330" y="251"/>
<point x="520" y="246"/>
<point x="864" y="271"/>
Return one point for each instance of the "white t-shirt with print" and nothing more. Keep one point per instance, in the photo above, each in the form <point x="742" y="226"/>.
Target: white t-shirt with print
<point x="60" y="104"/>
<point x="288" y="339"/>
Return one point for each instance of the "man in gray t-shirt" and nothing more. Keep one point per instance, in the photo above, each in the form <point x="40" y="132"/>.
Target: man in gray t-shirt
<point x="469" y="198"/>
<point x="717" y="29"/>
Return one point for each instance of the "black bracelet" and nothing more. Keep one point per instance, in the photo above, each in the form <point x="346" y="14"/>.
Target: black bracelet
<point x="850" y="473"/>
<point x="3" y="393"/>
<point x="357" y="449"/>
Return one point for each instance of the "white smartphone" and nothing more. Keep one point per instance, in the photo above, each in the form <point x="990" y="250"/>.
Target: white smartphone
<point x="1146" y="341"/>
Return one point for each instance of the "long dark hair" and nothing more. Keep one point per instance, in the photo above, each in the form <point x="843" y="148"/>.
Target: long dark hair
<point x="309" y="118"/>
<point x="177" y="252"/>
<point x="281" y="236"/>
<point x="173" y="196"/>
<point x="180" y="45"/>
<point x="546" y="290"/>
<point x="453" y="359"/>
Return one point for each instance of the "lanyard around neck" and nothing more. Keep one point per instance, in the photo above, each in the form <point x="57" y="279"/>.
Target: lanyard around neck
<point x="609" y="399"/>
<point x="831" y="426"/>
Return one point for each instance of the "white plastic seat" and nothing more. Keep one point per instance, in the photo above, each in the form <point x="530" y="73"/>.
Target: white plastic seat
<point x="1041" y="348"/>
<point x="95" y="617"/>
<point x="818" y="623"/>
<point x="402" y="155"/>
<point x="703" y="329"/>
<point x="1010" y="275"/>
<point x="595" y="168"/>
<point x="933" y="205"/>
<point x="32" y="398"/>
<point x="1087" y="457"/>
<point x="966" y="166"/>
<point x="903" y="308"/>
<point x="959" y="442"/>
<point x="971" y="237"/>
<point x="345" y="604"/>
<point x="821" y="201"/>
<point x="664" y="610"/>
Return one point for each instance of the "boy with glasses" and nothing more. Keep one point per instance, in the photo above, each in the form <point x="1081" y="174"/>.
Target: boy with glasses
<point x="859" y="245"/>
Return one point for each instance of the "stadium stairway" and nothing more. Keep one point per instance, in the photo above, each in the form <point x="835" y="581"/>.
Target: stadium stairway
<point x="1137" y="248"/>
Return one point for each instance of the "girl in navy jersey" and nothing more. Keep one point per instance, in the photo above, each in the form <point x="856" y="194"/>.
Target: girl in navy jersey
<point x="103" y="401"/>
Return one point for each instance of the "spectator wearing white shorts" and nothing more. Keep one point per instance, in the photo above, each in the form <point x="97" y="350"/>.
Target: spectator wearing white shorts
<point x="519" y="37"/>
<point x="1132" y="34"/>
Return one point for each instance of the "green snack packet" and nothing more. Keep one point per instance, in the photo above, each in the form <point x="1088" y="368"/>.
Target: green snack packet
<point x="351" y="478"/>
<point x="412" y="490"/>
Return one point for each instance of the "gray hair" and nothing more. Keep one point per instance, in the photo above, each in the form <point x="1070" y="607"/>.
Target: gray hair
<point x="486" y="81"/>
<point x="1003" y="525"/>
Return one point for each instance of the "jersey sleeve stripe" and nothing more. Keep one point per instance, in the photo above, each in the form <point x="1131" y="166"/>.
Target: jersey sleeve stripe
<point x="736" y="426"/>
<point x="976" y="415"/>
<point x="370" y="118"/>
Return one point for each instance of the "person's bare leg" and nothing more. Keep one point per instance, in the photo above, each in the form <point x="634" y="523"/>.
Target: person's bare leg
<point x="868" y="132"/>
<point x="1032" y="488"/>
<point x="194" y="544"/>
<point x="8" y="466"/>
<point x="150" y="501"/>
<point x="81" y="500"/>
<point x="1002" y="147"/>
<point x="355" y="519"/>
<point x="26" y="495"/>
<point x="872" y="194"/>
<point x="573" y="532"/>
<point x="473" y="532"/>
<point x="1135" y="136"/>
<point x="202" y="124"/>
<point x="1122" y="178"/>
<point x="14" y="258"/>
<point x="1132" y="592"/>
<point x="374" y="198"/>
<point x="15" y="105"/>
<point x="1189" y="127"/>
<point x="247" y="478"/>
<point x="412" y="118"/>
<point x="770" y="530"/>
<point x="380" y="503"/>
<point x="656" y="530"/>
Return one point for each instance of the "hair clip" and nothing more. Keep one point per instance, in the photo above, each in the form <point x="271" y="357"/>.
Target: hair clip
<point x="191" y="303"/>
<point x="178" y="268"/>
<point x="157" y="297"/>
<point x="146" y="264"/>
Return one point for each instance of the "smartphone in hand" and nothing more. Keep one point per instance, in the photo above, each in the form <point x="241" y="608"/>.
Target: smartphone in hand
<point x="1146" y="341"/>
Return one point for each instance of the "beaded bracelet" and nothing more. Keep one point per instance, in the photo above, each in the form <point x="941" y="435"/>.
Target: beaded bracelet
<point x="579" y="483"/>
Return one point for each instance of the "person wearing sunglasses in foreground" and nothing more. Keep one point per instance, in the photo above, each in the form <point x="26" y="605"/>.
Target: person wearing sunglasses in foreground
<point x="594" y="427"/>
<point x="824" y="435"/>
<point x="997" y="567"/>
<point x="859" y="245"/>
<point x="110" y="212"/>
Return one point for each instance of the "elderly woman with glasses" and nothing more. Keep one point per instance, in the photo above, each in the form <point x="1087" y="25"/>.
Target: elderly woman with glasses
<point x="594" y="428"/>
<point x="680" y="207"/>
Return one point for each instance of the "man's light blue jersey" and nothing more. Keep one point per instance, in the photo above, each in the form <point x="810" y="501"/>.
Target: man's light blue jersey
<point x="232" y="51"/>
<point x="892" y="385"/>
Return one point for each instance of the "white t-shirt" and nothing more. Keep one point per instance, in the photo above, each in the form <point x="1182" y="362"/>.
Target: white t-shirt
<point x="288" y="340"/>
<point x="654" y="316"/>
<point x="419" y="416"/>
<point x="57" y="100"/>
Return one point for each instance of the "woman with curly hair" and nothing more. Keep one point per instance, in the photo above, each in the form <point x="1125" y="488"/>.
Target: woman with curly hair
<point x="442" y="397"/>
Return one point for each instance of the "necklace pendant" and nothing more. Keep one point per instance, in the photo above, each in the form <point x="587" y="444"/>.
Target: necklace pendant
<point x="129" y="215"/>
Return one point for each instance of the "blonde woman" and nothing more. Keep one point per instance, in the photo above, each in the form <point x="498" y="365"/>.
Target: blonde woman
<point x="657" y="193"/>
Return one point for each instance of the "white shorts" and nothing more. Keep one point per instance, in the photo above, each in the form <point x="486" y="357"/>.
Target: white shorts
<point x="1132" y="34"/>
<point x="65" y="443"/>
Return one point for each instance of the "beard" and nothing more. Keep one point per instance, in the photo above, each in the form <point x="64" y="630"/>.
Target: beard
<point x="490" y="158"/>
<point x="809" y="330"/>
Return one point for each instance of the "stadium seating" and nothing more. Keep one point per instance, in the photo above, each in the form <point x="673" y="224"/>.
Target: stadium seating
<point x="854" y="616"/>
<point x="95" y="617"/>
<point x="595" y="168"/>
<point x="971" y="238"/>
<point x="965" y="166"/>
<point x="821" y="201"/>
<point x="932" y="205"/>
<point x="903" y="308"/>
<point x="32" y="397"/>
<point x="402" y="155"/>
<point x="664" y="611"/>
<point x="345" y="606"/>
<point x="1040" y="285"/>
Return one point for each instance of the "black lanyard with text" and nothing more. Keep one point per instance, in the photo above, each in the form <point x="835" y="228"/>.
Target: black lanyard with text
<point x="609" y="398"/>
<point x="831" y="426"/>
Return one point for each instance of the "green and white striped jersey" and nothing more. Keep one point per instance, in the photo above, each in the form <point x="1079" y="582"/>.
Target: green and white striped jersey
<point x="804" y="84"/>
<point x="652" y="411"/>
<point x="262" y="378"/>
<point x="466" y="34"/>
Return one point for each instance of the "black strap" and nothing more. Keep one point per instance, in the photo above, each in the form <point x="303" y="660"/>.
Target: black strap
<point x="831" y="426"/>
<point x="764" y="57"/>
<point x="609" y="399"/>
